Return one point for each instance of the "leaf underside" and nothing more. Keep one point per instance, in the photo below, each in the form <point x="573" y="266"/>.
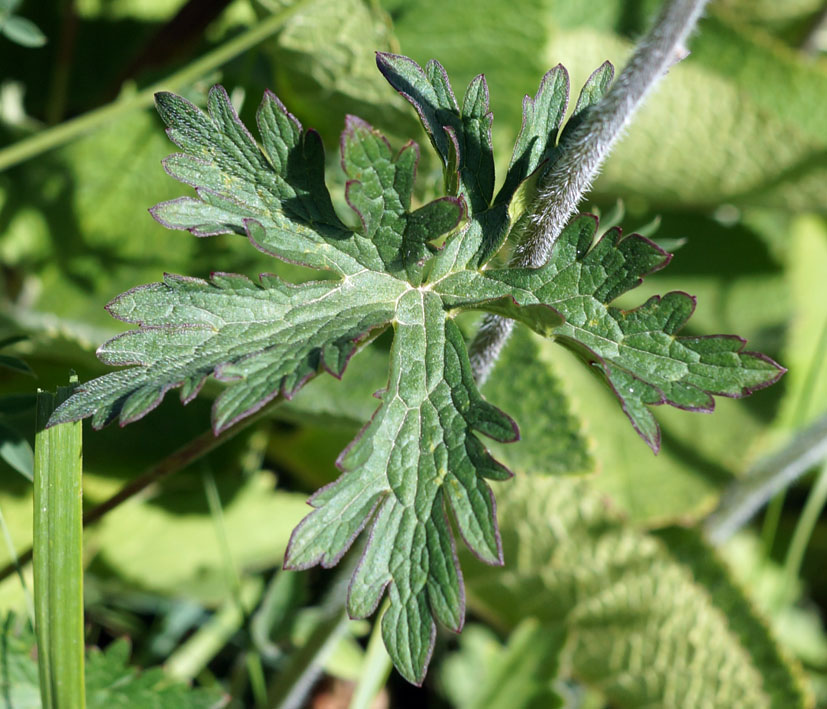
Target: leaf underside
<point x="418" y="467"/>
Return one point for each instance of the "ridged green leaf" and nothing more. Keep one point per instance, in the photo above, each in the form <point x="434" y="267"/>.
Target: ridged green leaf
<point x="639" y="351"/>
<point x="418" y="468"/>
<point x="552" y="437"/>
<point x="416" y="459"/>
<point x="652" y="620"/>
<point x="262" y="340"/>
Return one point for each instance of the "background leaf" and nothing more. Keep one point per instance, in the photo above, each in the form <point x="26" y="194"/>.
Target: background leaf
<point x="24" y="32"/>
<point x="551" y="437"/>
<point x="110" y="681"/>
<point x="16" y="451"/>
<point x="484" y="674"/>
<point x="647" y="615"/>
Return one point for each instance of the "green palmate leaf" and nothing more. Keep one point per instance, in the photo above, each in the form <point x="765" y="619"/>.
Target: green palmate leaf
<point x="462" y="138"/>
<point x="418" y="468"/>
<point x="542" y="116"/>
<point x="596" y="85"/>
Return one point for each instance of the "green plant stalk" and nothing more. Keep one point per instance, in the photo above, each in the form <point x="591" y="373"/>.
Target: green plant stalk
<point x="252" y="658"/>
<point x="76" y="127"/>
<point x="258" y="684"/>
<point x="765" y="479"/>
<point x="293" y="684"/>
<point x="217" y="514"/>
<point x="197" y="652"/>
<point x="58" y="556"/>
<point x="770" y="478"/>
<point x="296" y="680"/>
<point x="376" y="669"/>
<point x="805" y="526"/>
<point x="769" y="527"/>
<point x="802" y="409"/>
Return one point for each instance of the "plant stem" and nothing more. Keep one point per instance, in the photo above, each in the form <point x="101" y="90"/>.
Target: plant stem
<point x="770" y="477"/>
<point x="58" y="556"/>
<point x="582" y="153"/>
<point x="300" y="674"/>
<point x="805" y="526"/>
<point x="766" y="478"/>
<point x="197" y="652"/>
<point x="74" y="128"/>
<point x="376" y="668"/>
<point x="772" y="517"/>
<point x="62" y="67"/>
<point x="295" y="681"/>
<point x="252" y="658"/>
<point x="217" y="514"/>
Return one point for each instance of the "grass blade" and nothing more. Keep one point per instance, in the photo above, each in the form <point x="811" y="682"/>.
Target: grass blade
<point x="58" y="560"/>
<point x="376" y="669"/>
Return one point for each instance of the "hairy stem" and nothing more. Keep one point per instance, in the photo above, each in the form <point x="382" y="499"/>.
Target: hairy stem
<point x="766" y="478"/>
<point x="582" y="153"/>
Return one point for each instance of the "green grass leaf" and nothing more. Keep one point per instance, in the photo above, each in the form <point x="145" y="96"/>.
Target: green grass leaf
<point x="58" y="554"/>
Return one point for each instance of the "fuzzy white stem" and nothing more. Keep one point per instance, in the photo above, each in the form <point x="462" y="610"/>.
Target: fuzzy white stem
<point x="583" y="152"/>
